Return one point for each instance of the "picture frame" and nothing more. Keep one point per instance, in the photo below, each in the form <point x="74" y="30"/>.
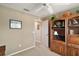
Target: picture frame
<point x="15" y="24"/>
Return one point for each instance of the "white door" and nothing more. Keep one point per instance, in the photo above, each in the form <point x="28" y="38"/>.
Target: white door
<point x="45" y="33"/>
<point x="38" y="32"/>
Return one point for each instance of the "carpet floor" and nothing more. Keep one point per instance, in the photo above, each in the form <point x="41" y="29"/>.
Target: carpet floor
<point x="39" y="50"/>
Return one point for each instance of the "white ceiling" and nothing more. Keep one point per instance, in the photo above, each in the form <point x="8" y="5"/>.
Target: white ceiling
<point x="32" y="7"/>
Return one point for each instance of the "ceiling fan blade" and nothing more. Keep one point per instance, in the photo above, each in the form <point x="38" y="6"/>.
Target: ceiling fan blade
<point x="49" y="7"/>
<point x="37" y="10"/>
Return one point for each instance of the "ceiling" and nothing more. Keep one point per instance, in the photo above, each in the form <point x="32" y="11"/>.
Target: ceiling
<point x="34" y="8"/>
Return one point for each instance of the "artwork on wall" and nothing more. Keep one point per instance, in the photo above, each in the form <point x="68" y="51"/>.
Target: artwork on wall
<point x="15" y="24"/>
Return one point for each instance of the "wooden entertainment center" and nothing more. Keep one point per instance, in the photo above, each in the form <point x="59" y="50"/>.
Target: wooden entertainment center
<point x="64" y="34"/>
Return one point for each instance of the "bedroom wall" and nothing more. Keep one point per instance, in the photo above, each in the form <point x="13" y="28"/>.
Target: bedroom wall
<point x="16" y="39"/>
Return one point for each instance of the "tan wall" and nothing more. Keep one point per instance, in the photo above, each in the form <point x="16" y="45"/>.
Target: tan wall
<point x="13" y="37"/>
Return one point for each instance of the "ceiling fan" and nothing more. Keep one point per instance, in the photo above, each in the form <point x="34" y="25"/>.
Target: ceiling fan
<point x="47" y="6"/>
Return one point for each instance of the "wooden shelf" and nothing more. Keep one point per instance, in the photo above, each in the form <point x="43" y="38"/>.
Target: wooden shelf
<point x="77" y="35"/>
<point x="59" y="41"/>
<point x="74" y="26"/>
<point x="73" y="45"/>
<point x="58" y="27"/>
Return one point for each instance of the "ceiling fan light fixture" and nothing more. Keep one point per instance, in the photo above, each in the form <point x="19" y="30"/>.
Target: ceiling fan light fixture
<point x="44" y="4"/>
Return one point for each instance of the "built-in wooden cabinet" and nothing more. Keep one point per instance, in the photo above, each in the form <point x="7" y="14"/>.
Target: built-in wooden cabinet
<point x="2" y="50"/>
<point x="64" y="35"/>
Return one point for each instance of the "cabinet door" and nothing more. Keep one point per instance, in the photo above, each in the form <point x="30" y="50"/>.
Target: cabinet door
<point x="74" y="51"/>
<point x="55" y="46"/>
<point x="78" y="52"/>
<point x="62" y="50"/>
<point x="71" y="51"/>
<point x="58" y="47"/>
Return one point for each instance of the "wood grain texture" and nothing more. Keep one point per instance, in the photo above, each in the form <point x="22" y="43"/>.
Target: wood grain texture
<point x="2" y="50"/>
<point x="71" y="45"/>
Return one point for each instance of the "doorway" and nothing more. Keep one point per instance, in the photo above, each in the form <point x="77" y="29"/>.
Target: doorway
<point x="45" y="33"/>
<point x="38" y="36"/>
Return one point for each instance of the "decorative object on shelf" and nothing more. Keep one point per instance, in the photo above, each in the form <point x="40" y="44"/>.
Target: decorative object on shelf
<point x="54" y="25"/>
<point x="52" y="17"/>
<point x="70" y="23"/>
<point x="71" y="32"/>
<point x="63" y="24"/>
<point x="55" y="33"/>
<point x="59" y="24"/>
<point x="15" y="24"/>
<point x="75" y="21"/>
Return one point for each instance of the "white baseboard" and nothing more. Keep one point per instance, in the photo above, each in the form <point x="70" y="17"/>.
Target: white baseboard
<point x="21" y="50"/>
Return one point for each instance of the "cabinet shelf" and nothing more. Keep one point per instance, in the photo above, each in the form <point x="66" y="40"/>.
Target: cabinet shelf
<point x="58" y="27"/>
<point x="77" y="35"/>
<point x="73" y="45"/>
<point x="73" y="26"/>
<point x="58" y="41"/>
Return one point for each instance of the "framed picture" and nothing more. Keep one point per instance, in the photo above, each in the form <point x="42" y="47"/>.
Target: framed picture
<point x="15" y="24"/>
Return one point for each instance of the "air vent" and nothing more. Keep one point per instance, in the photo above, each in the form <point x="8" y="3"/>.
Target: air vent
<point x="26" y="9"/>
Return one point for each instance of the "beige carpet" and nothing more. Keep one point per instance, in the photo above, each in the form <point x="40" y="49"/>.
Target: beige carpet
<point x="39" y="50"/>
